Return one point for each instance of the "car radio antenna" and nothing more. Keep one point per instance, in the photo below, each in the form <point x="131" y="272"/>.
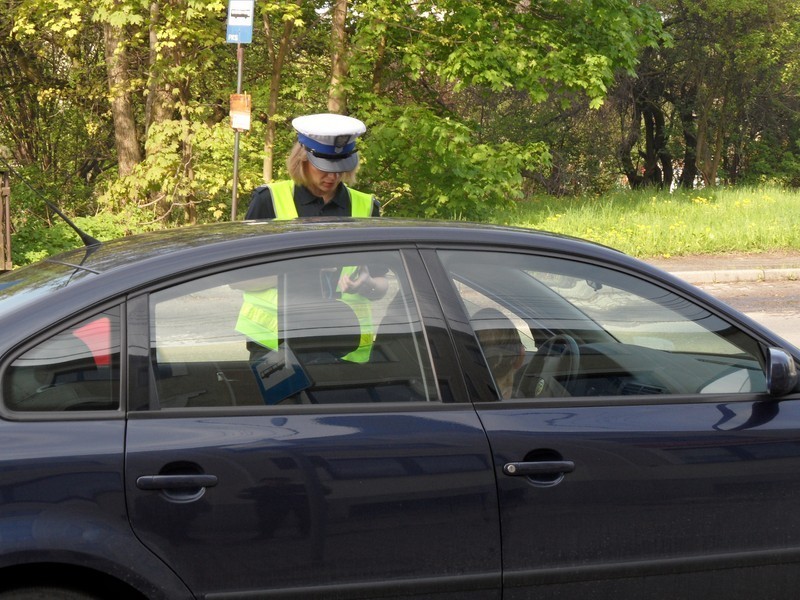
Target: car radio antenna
<point x="87" y="239"/>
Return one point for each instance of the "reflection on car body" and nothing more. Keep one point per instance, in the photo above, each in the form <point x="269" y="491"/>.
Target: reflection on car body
<point x="151" y="448"/>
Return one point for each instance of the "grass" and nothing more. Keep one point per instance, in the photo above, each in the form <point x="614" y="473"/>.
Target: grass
<point x="660" y="224"/>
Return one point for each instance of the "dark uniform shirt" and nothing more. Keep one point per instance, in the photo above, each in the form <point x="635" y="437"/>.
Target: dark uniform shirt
<point x="308" y="205"/>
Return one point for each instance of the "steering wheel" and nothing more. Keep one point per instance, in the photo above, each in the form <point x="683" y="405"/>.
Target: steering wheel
<point x="551" y="372"/>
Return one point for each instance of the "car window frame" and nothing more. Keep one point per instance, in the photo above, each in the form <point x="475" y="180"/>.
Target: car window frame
<point x="434" y="329"/>
<point x="482" y="382"/>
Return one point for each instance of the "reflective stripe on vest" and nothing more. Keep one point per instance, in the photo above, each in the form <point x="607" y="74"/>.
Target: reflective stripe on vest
<point x="363" y="309"/>
<point x="258" y="317"/>
<point x="283" y="201"/>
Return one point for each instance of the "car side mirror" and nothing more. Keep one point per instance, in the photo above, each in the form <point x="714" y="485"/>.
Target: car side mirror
<point x="781" y="372"/>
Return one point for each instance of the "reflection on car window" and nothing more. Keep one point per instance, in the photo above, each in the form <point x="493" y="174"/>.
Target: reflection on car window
<point x="76" y="369"/>
<point x="502" y="347"/>
<point x="598" y="332"/>
<point x="286" y="333"/>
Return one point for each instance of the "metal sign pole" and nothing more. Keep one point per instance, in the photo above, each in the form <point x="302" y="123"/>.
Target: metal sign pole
<point x="234" y="197"/>
<point x="5" y="222"/>
<point x="239" y="31"/>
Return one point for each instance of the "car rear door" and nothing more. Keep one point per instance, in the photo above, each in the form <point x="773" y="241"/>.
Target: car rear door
<point x="644" y="461"/>
<point x="309" y="475"/>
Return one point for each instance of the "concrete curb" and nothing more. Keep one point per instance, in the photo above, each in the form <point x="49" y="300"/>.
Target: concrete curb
<point x="737" y="275"/>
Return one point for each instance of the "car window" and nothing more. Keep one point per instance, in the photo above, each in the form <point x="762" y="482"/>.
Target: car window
<point x="286" y="333"/>
<point x="75" y="369"/>
<point x="592" y="331"/>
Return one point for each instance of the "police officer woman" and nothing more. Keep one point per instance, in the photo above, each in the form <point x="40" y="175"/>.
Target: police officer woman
<point x="322" y="162"/>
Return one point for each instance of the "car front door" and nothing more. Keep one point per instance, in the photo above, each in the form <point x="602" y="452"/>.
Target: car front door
<point x="637" y="454"/>
<point x="291" y="467"/>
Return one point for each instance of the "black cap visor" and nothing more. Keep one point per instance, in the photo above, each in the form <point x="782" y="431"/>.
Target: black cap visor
<point x="332" y="163"/>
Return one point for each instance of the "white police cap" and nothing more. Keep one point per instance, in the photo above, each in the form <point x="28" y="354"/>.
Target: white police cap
<point x="330" y="140"/>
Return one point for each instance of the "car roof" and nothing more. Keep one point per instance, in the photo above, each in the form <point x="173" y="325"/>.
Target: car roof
<point x="224" y="241"/>
<point x="64" y="285"/>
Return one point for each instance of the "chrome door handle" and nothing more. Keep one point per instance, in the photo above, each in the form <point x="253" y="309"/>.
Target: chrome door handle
<point x="176" y="482"/>
<point x="543" y="467"/>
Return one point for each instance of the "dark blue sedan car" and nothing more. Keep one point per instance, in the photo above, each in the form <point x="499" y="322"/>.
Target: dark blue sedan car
<point x="388" y="409"/>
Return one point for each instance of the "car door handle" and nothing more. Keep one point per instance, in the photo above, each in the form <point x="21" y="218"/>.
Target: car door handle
<point x="539" y="467"/>
<point x="176" y="482"/>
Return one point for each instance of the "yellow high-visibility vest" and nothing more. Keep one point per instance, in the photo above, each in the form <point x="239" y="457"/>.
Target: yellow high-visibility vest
<point x="283" y="201"/>
<point x="258" y="316"/>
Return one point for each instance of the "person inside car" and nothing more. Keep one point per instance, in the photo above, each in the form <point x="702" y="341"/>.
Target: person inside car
<point x="502" y="347"/>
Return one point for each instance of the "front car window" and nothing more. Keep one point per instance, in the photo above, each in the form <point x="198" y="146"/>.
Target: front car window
<point x="285" y="333"/>
<point x="592" y="331"/>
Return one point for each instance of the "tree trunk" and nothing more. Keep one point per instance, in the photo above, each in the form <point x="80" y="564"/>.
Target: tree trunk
<point x="629" y="140"/>
<point x="662" y="153"/>
<point x="710" y="143"/>
<point x="125" y="137"/>
<point x="652" y="172"/>
<point x="277" y="60"/>
<point x="187" y="152"/>
<point x="689" y="171"/>
<point x="337" y="99"/>
<point x="644" y="98"/>
<point x="719" y="144"/>
<point x="158" y="107"/>
<point x="377" y="73"/>
<point x="658" y="160"/>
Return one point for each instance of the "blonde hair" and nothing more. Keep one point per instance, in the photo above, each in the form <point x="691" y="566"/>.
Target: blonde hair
<point x="295" y="164"/>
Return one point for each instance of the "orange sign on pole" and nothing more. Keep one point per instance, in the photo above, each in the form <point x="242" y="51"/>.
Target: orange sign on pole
<point x="240" y="111"/>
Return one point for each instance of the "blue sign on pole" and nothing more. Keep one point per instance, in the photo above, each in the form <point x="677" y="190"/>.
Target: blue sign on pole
<point x="240" y="21"/>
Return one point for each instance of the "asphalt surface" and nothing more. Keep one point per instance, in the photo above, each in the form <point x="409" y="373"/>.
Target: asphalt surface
<point x="764" y="285"/>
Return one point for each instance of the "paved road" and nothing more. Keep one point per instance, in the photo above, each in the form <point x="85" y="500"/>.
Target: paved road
<point x="775" y="304"/>
<point x="771" y="297"/>
<point x="765" y="285"/>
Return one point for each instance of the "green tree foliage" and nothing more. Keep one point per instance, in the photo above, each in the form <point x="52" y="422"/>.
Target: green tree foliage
<point x="120" y="107"/>
<point x="131" y="97"/>
<point x="448" y="89"/>
<point x="52" y="103"/>
<point x="428" y="166"/>
<point x="721" y="102"/>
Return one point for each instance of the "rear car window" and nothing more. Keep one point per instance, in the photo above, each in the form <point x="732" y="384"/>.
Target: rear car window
<point x="76" y="369"/>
